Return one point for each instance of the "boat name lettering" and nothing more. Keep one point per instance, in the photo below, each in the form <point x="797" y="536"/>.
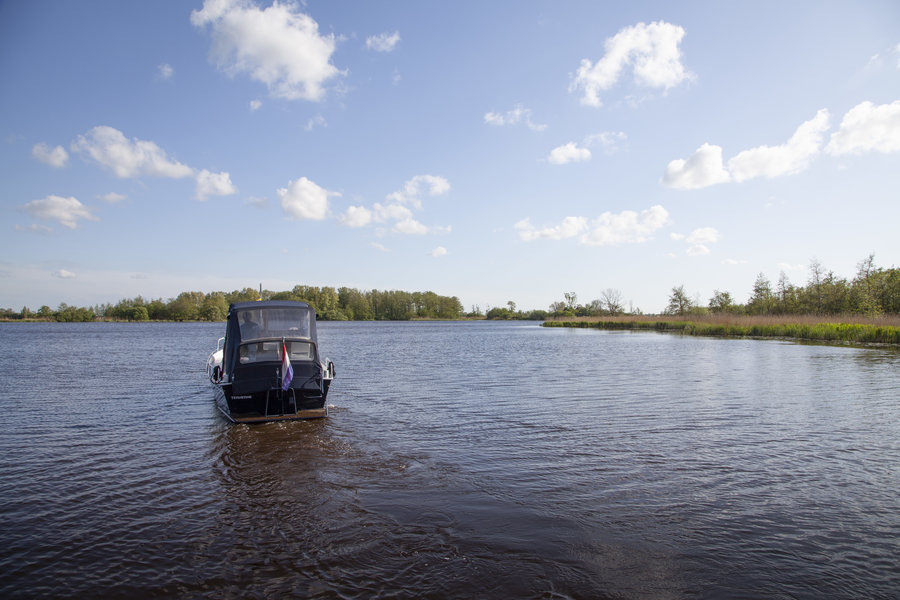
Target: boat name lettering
<point x="247" y="397"/>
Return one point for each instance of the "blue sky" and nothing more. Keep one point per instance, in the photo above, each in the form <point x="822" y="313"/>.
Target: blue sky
<point x="494" y="151"/>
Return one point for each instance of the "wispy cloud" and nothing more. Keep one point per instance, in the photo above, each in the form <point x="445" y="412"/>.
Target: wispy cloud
<point x="127" y="158"/>
<point x="571" y="152"/>
<point x="277" y="46"/>
<point x="397" y="211"/>
<point x="438" y="252"/>
<point x="789" y="267"/>
<point x="316" y="121"/>
<point x="651" y="52"/>
<point x="608" y="140"/>
<point x="55" y="157"/>
<point x="698" y="240"/>
<point x="64" y="274"/>
<point x="112" y="197"/>
<point x="165" y="72"/>
<point x="33" y="228"/>
<point x="383" y="42"/>
<point x="518" y="114"/>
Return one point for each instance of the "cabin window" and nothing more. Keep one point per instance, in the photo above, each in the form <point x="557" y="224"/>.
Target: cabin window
<point x="300" y="350"/>
<point x="271" y="352"/>
<point x="274" y="323"/>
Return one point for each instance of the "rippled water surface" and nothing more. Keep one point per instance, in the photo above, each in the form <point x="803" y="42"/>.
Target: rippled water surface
<point x="460" y="460"/>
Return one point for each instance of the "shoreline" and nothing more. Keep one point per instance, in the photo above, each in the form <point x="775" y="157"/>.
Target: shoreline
<point x="807" y="329"/>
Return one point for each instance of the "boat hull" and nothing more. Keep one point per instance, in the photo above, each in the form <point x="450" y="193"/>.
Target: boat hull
<point x="269" y="405"/>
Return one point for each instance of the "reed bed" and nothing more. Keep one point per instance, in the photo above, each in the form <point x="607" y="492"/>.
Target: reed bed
<point x="852" y="329"/>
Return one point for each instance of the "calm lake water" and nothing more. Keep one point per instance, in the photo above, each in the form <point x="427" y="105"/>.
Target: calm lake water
<point x="460" y="460"/>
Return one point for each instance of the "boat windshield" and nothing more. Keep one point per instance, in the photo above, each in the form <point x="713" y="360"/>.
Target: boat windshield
<point x="274" y="323"/>
<point x="271" y="351"/>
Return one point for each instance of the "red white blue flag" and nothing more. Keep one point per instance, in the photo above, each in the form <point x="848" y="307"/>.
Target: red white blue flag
<point x="287" y="371"/>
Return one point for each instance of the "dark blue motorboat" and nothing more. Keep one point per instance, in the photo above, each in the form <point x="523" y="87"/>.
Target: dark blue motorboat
<point x="267" y="367"/>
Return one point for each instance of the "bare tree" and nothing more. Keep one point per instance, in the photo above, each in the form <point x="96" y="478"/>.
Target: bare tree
<point x="612" y="301"/>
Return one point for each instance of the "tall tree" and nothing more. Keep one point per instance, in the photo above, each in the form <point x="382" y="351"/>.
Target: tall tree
<point x="762" y="300"/>
<point x="679" y="302"/>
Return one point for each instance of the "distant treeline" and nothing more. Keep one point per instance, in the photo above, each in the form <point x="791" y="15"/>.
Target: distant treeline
<point x="329" y="303"/>
<point x="873" y="292"/>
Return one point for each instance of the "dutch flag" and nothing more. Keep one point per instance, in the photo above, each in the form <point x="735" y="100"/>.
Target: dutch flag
<point x="287" y="371"/>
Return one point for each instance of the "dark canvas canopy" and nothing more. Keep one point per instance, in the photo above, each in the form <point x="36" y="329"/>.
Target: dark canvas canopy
<point x="266" y="320"/>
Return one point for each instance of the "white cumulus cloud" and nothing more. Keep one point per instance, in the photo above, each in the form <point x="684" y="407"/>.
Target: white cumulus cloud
<point x="383" y="42"/>
<point x="303" y="199"/>
<point x="165" y="71"/>
<point x="608" y="229"/>
<point x="704" y="235"/>
<point x="65" y="211"/>
<point x="438" y="252"/>
<point x="125" y="157"/>
<point x="568" y="228"/>
<point x="789" y="158"/>
<point x="409" y="226"/>
<point x="703" y="169"/>
<point x="356" y="216"/>
<point x="651" y="52"/>
<point x="568" y="153"/>
<point x="277" y="46"/>
<point x="63" y="274"/>
<point x="867" y="128"/>
<point x="55" y="157"/>
<point x="214" y="184"/>
<point x="391" y="212"/>
<point x="626" y="227"/>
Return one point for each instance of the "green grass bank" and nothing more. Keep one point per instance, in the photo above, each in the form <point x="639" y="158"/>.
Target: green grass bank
<point x="852" y="333"/>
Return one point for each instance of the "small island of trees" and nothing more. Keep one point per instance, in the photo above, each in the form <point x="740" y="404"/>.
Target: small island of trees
<point x="339" y="304"/>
